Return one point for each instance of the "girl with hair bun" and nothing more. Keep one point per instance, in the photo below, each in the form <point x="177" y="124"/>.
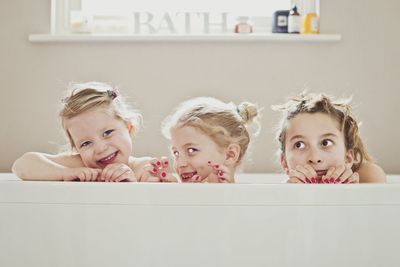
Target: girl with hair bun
<point x="209" y="138"/>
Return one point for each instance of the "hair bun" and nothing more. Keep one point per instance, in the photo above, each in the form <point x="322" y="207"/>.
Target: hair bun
<point x="247" y="111"/>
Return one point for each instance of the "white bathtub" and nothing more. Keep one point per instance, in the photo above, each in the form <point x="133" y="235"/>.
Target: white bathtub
<point x="123" y="224"/>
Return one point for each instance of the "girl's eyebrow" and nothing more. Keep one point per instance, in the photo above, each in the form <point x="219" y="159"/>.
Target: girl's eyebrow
<point x="189" y="144"/>
<point x="329" y="135"/>
<point x="298" y="136"/>
<point x="184" y="146"/>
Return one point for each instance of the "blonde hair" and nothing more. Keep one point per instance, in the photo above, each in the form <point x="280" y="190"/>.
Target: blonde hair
<point x="83" y="97"/>
<point x="225" y="123"/>
<point x="339" y="110"/>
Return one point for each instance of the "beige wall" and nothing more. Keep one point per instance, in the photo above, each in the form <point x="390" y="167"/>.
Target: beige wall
<point x="158" y="75"/>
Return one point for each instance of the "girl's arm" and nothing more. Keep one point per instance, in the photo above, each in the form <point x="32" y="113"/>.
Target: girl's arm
<point x="371" y="173"/>
<point x="46" y="167"/>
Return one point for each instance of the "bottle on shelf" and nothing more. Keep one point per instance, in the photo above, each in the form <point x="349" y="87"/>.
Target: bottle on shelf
<point x="310" y="22"/>
<point x="243" y="25"/>
<point x="294" y="21"/>
<point x="280" y="21"/>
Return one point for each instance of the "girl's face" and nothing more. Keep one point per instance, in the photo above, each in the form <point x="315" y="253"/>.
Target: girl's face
<point x="314" y="139"/>
<point x="192" y="150"/>
<point x="100" y="138"/>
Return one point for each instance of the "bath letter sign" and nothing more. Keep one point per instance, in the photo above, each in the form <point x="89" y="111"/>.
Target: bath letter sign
<point x="179" y="22"/>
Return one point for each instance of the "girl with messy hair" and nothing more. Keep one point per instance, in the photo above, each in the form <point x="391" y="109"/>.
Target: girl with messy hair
<point x="320" y="143"/>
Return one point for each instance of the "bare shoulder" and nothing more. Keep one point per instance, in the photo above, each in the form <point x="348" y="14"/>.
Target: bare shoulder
<point x="371" y="173"/>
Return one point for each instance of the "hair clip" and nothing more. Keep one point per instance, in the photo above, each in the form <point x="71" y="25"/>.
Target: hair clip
<point x="113" y="93"/>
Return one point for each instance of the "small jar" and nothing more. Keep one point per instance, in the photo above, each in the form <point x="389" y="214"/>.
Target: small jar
<point x="243" y="25"/>
<point x="79" y="22"/>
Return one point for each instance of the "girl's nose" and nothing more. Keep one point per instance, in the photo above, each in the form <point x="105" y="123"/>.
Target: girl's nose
<point x="181" y="162"/>
<point x="314" y="161"/>
<point x="100" y="146"/>
<point x="314" y="156"/>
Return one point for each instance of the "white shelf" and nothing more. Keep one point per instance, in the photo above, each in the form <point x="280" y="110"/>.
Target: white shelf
<point x="71" y="38"/>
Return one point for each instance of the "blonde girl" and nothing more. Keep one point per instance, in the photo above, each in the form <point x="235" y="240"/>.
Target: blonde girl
<point x="98" y="124"/>
<point x="209" y="138"/>
<point x="320" y="143"/>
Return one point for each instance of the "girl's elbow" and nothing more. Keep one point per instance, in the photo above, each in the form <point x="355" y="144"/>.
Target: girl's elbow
<point x="21" y="165"/>
<point x="17" y="170"/>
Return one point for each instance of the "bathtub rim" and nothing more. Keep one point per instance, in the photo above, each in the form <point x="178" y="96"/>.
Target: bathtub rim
<point x="160" y="194"/>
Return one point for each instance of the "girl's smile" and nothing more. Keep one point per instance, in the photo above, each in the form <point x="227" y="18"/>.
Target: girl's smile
<point x="100" y="138"/>
<point x="108" y="159"/>
<point x="192" y="150"/>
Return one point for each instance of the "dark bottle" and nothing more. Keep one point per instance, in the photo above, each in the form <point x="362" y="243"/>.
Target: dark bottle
<point x="280" y="21"/>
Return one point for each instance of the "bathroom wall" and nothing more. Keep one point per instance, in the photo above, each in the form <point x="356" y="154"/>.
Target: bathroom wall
<point x="156" y="76"/>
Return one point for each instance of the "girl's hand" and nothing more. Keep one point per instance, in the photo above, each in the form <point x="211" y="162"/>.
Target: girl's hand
<point x="81" y="174"/>
<point x="219" y="174"/>
<point x="117" y="172"/>
<point x="341" y="175"/>
<point x="302" y="174"/>
<point x="294" y="181"/>
<point x="157" y="171"/>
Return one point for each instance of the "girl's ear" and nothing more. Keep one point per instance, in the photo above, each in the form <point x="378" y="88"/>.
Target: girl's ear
<point x="350" y="156"/>
<point x="232" y="154"/>
<point x="130" y="127"/>
<point x="284" y="164"/>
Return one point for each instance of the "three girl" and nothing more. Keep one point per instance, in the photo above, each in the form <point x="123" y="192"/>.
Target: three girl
<point x="318" y="137"/>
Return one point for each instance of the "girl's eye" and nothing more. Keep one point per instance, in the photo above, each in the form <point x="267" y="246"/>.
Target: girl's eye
<point x="85" y="144"/>
<point x="299" y="145"/>
<point x="327" y="142"/>
<point x="191" y="150"/>
<point x="107" y="133"/>
<point x="175" y="153"/>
